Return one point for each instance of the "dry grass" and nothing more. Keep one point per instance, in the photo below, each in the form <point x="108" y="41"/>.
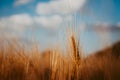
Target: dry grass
<point x="17" y="63"/>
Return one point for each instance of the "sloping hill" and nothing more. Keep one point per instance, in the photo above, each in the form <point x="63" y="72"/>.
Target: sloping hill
<point x="113" y="51"/>
<point x="103" y="65"/>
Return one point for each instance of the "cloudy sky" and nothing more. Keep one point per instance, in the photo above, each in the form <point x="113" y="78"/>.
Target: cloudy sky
<point x="96" y="21"/>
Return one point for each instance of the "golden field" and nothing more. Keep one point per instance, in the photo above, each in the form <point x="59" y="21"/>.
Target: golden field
<point x="18" y="63"/>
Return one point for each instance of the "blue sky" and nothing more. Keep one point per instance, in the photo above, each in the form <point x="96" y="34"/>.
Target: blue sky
<point x="102" y="10"/>
<point x="105" y="10"/>
<point x="49" y="20"/>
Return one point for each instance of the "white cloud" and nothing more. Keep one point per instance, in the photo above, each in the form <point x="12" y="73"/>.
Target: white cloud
<point x="59" y="7"/>
<point x="49" y="21"/>
<point x="20" y="22"/>
<point x="53" y="21"/>
<point x="16" y="22"/>
<point x="22" y="2"/>
<point x="15" y="25"/>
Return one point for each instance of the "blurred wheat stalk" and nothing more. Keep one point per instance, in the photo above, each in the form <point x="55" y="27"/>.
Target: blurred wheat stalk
<point x="17" y="63"/>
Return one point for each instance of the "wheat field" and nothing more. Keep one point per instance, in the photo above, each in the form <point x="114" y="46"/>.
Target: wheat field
<point x="18" y="63"/>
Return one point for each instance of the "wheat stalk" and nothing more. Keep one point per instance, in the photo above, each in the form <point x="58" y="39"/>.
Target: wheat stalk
<point x="75" y="47"/>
